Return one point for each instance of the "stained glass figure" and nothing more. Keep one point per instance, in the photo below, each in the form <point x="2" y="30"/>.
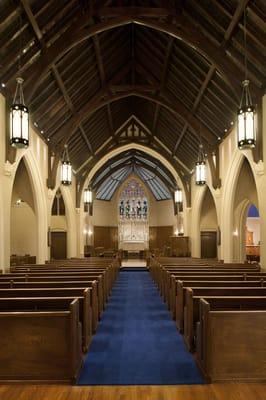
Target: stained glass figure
<point x="133" y="202"/>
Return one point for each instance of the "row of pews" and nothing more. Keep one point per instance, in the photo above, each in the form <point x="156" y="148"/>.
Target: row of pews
<point x="221" y="311"/>
<point x="48" y="314"/>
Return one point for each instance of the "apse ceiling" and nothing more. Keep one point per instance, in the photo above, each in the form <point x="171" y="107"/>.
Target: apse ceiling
<point x="99" y="74"/>
<point x="151" y="171"/>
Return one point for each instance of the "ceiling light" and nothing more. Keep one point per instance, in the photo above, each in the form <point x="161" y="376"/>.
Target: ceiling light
<point x="19" y="119"/>
<point x="246" y="133"/>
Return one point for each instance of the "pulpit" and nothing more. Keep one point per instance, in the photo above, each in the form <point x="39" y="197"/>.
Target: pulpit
<point x="180" y="246"/>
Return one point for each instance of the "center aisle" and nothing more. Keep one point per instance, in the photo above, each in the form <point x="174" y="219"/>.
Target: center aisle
<point x="137" y="342"/>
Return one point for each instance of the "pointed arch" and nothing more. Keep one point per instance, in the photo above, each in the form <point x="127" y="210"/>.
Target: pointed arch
<point x="70" y="219"/>
<point x="40" y="205"/>
<point x="196" y="215"/>
<point x="228" y="201"/>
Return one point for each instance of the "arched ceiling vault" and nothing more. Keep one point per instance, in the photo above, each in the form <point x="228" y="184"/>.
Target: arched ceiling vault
<point x="89" y="66"/>
<point x="151" y="171"/>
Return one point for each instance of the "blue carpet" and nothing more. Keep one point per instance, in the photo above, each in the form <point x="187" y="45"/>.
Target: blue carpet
<point x="137" y="342"/>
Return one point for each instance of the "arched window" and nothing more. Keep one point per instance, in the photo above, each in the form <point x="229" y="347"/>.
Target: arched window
<point x="58" y="207"/>
<point x="133" y="203"/>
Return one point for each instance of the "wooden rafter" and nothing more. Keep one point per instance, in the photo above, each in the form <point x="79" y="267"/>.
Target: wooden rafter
<point x="185" y="31"/>
<point x="47" y="38"/>
<point x="195" y="105"/>
<point x="57" y="76"/>
<point x="103" y="98"/>
<point x="163" y="79"/>
<point x="99" y="59"/>
<point x="234" y="21"/>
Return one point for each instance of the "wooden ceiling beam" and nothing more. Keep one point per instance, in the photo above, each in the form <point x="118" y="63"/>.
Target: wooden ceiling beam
<point x="99" y="59"/>
<point x="182" y="30"/>
<point x="57" y="76"/>
<point x="199" y="97"/>
<point x="149" y="12"/>
<point x="99" y="101"/>
<point x="70" y="105"/>
<point x="234" y="21"/>
<point x="32" y="20"/>
<point x="163" y="80"/>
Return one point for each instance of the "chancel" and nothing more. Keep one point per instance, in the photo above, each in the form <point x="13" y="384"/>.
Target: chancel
<point x="132" y="199"/>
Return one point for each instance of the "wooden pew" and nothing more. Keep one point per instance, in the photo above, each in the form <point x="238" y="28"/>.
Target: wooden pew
<point x="83" y="294"/>
<point x="231" y="337"/>
<point x="167" y="275"/>
<point x="40" y="346"/>
<point x="206" y="275"/>
<point x="99" y="275"/>
<point x="161" y="268"/>
<point x="92" y="280"/>
<point x="180" y="297"/>
<point x="191" y="309"/>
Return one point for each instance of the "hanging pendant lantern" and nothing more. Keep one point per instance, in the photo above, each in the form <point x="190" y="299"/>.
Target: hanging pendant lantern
<point x="87" y="196"/>
<point x="246" y="130"/>
<point x="246" y="120"/>
<point x="66" y="169"/>
<point x="201" y="168"/>
<point x="178" y="200"/>
<point x="19" y="119"/>
<point x="178" y="196"/>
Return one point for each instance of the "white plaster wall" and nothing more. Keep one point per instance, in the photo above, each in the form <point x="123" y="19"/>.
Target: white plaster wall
<point x="228" y="199"/>
<point x="58" y="223"/>
<point x="23" y="230"/>
<point x="36" y="159"/>
<point x="105" y="213"/>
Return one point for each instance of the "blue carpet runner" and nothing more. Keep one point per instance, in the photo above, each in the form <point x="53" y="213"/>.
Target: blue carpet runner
<point x="137" y="342"/>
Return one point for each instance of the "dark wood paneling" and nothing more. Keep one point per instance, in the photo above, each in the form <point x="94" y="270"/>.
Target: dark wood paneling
<point x="58" y="245"/>
<point x="106" y="236"/>
<point x="159" y="236"/>
<point x="208" y="244"/>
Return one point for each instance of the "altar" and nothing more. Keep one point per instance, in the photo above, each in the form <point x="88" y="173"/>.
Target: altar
<point x="134" y="245"/>
<point x="133" y="235"/>
<point x="133" y="225"/>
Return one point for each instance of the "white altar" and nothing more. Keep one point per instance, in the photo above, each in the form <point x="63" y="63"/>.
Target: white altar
<point x="134" y="245"/>
<point x="133" y="235"/>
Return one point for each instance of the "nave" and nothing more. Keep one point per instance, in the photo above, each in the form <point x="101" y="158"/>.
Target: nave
<point x="136" y="342"/>
<point x="132" y="130"/>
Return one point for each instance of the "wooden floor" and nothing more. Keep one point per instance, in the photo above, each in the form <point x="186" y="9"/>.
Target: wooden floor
<point x="230" y="391"/>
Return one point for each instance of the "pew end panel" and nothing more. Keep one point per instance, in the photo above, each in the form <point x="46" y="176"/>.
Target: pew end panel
<point x="188" y="319"/>
<point x="179" y="314"/>
<point x="232" y="345"/>
<point x="42" y="346"/>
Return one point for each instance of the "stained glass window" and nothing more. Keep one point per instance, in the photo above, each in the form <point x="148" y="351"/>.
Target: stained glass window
<point x="133" y="202"/>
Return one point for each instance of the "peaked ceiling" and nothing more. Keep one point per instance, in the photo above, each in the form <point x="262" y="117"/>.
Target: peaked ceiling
<point x="99" y="74"/>
<point x="117" y="169"/>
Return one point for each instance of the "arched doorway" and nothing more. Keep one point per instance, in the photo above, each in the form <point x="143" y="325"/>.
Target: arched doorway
<point x="244" y="200"/>
<point x="58" y="234"/>
<point x="23" y="220"/>
<point x="208" y="226"/>
<point x="252" y="248"/>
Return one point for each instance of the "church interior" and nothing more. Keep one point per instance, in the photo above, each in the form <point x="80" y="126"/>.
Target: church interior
<point x="132" y="199"/>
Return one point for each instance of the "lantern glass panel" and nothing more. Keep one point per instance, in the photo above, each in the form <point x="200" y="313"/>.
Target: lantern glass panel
<point x="25" y="124"/>
<point x="241" y="127"/>
<point x="87" y="196"/>
<point x="250" y="134"/>
<point x="178" y="196"/>
<point x="200" y="173"/>
<point x="19" y="126"/>
<point x="66" y="173"/>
